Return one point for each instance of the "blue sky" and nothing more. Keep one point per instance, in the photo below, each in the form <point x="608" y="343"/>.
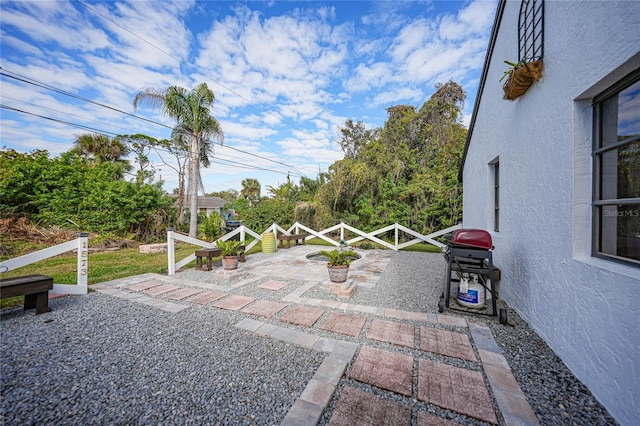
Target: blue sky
<point x="286" y="75"/>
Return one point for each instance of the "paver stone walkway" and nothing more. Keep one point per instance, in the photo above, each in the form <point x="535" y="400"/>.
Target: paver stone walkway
<point x="384" y="369"/>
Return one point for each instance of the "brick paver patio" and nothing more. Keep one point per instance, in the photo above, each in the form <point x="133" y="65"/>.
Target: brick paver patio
<point x="350" y="325"/>
<point x="300" y="315"/>
<point x="392" y="332"/>
<point x="160" y="290"/>
<point x="183" y="294"/>
<point x="456" y="389"/>
<point x="446" y="343"/>
<point x="384" y="369"/>
<point x="143" y="286"/>
<point x="233" y="303"/>
<point x="273" y="285"/>
<point x="206" y="297"/>
<point x="426" y="419"/>
<point x="264" y="308"/>
<point x="357" y="407"/>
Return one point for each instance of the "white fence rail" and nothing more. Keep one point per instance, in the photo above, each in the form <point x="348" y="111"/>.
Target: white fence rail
<point x="242" y="231"/>
<point x="80" y="244"/>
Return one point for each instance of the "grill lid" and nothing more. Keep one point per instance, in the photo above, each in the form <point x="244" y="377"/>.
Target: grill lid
<point x="476" y="238"/>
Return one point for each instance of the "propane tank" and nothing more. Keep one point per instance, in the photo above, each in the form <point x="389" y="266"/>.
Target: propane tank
<point x="471" y="293"/>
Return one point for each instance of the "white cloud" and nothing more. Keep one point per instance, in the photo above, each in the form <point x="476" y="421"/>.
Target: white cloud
<point x="284" y="81"/>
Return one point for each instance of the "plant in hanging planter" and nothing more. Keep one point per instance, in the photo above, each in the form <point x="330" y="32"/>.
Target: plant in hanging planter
<point x="520" y="77"/>
<point x="231" y="251"/>
<point x="338" y="265"/>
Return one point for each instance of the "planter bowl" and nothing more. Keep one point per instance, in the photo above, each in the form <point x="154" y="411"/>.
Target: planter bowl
<point x="338" y="274"/>
<point x="230" y="262"/>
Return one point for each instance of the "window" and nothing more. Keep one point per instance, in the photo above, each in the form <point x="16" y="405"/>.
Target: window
<point x="616" y="155"/>
<point x="531" y="30"/>
<point x="495" y="165"/>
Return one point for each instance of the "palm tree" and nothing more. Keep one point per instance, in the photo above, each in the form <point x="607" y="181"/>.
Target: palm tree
<point x="195" y="124"/>
<point x="250" y="189"/>
<point x="100" y="148"/>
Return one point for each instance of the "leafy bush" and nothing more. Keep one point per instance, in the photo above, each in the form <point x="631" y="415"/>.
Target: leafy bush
<point x="209" y="227"/>
<point x="67" y="190"/>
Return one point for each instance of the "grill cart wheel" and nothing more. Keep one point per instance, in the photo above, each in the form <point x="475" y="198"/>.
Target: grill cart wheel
<point x="503" y="316"/>
<point x="441" y="304"/>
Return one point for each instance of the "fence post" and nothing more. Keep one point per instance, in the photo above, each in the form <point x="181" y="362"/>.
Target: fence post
<point x="242" y="234"/>
<point x="83" y="258"/>
<point x="395" y="226"/>
<point x="171" y="253"/>
<point x="341" y="231"/>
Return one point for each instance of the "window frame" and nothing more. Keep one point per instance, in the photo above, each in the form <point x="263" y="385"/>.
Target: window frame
<point x="598" y="151"/>
<point x="495" y="175"/>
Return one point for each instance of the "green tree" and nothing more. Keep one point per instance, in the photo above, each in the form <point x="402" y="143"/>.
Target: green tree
<point x="141" y="145"/>
<point x="354" y="138"/>
<point x="404" y="172"/>
<point x="99" y="148"/>
<point x="195" y="125"/>
<point x="250" y="190"/>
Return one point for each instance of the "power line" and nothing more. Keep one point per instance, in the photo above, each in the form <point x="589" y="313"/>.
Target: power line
<point x="107" y="133"/>
<point x="10" y="74"/>
<point x="57" y="120"/>
<point x="61" y="112"/>
<point x="16" y="76"/>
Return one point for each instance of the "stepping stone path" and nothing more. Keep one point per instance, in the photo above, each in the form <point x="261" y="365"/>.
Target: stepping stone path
<point x="301" y="315"/>
<point x="369" y="410"/>
<point x="416" y="380"/>
<point x="393" y="332"/>
<point x="351" y="325"/>
<point x="384" y="369"/>
<point x="264" y="308"/>
<point x="273" y="285"/>
<point x="233" y="303"/>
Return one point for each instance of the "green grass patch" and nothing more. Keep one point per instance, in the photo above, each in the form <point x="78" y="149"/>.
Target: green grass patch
<point x="103" y="266"/>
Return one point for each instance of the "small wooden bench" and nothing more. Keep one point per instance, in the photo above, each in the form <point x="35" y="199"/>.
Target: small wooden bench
<point x="209" y="254"/>
<point x="288" y="238"/>
<point x="34" y="288"/>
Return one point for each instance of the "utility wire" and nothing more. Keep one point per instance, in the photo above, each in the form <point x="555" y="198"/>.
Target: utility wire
<point x="15" y="76"/>
<point x="73" y="95"/>
<point x="68" y="123"/>
<point x="107" y="133"/>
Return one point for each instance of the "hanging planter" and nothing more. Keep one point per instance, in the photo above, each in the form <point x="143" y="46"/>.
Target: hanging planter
<point x="521" y="76"/>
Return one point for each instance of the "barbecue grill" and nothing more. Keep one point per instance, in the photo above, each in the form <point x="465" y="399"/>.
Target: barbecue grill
<point x="469" y="251"/>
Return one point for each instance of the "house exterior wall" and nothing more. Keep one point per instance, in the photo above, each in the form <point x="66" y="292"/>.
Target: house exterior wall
<point x="585" y="308"/>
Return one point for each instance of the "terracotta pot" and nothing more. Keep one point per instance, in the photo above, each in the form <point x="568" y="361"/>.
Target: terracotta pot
<point x="338" y="273"/>
<point x="230" y="262"/>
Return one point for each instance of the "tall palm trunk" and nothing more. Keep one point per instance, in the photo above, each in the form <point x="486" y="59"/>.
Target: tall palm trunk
<point x="194" y="163"/>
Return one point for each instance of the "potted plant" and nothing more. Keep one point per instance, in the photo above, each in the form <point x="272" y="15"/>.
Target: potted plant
<point x="338" y="265"/>
<point x="521" y="75"/>
<point x="231" y="251"/>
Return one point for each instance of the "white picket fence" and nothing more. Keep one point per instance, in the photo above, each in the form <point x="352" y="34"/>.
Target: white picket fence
<point x="297" y="227"/>
<point x="80" y="244"/>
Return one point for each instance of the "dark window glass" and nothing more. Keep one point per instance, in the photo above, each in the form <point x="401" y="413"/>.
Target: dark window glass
<point x="496" y="197"/>
<point x="617" y="171"/>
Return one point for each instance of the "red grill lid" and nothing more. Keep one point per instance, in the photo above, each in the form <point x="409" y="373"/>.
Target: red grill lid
<point x="477" y="238"/>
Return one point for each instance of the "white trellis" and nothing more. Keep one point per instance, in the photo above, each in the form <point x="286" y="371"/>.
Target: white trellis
<point x="242" y="231"/>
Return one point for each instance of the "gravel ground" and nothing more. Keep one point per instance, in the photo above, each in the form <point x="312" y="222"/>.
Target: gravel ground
<point x="98" y="359"/>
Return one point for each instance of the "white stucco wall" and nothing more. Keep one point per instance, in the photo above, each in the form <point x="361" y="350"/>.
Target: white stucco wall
<point x="585" y="308"/>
